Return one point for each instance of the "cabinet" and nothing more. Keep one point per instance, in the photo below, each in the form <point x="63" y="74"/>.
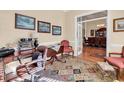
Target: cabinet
<point x="101" y="32"/>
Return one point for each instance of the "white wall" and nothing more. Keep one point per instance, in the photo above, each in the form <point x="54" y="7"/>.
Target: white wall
<point x="8" y="33"/>
<point x="116" y="39"/>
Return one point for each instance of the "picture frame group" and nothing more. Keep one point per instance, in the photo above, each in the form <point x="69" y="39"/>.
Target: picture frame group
<point x="29" y="23"/>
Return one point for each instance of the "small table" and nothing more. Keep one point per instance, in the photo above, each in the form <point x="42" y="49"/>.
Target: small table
<point x="52" y="53"/>
<point x="107" y="70"/>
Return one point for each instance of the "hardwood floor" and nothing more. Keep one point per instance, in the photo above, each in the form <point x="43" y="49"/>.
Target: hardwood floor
<point x="93" y="54"/>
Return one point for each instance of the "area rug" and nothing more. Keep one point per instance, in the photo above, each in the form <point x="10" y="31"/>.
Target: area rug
<point x="74" y="70"/>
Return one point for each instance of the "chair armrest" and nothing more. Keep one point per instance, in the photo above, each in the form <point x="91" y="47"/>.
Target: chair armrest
<point x="114" y="53"/>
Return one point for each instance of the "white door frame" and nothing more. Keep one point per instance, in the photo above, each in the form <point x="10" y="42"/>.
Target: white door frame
<point x="107" y="32"/>
<point x="79" y="34"/>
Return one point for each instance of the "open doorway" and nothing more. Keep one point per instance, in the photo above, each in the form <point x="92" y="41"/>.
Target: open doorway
<point x="94" y="40"/>
<point x="91" y="36"/>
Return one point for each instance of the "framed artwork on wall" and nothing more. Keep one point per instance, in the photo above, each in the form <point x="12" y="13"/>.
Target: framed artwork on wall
<point x="118" y="25"/>
<point x="56" y="30"/>
<point x="91" y="32"/>
<point x="24" y="22"/>
<point x="44" y="27"/>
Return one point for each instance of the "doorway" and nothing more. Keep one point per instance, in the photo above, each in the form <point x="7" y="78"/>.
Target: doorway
<point x="92" y="39"/>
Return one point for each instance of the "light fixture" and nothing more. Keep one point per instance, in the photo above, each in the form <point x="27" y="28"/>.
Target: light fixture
<point x="100" y="25"/>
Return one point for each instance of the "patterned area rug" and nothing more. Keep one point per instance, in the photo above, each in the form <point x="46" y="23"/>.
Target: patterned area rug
<point x="75" y="71"/>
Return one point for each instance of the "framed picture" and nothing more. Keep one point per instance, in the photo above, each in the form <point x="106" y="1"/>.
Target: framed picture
<point x="56" y="30"/>
<point x="24" y="22"/>
<point x="118" y="25"/>
<point x="92" y="32"/>
<point x="44" y="27"/>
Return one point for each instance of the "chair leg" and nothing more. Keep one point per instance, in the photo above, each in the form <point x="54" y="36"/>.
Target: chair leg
<point x="62" y="55"/>
<point x="52" y="60"/>
<point x="119" y="73"/>
<point x="72" y="54"/>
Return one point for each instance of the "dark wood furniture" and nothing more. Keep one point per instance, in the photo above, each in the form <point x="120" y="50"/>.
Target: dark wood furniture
<point x="85" y="42"/>
<point x="91" y="41"/>
<point x="51" y="53"/>
<point x="99" y="40"/>
<point x="101" y="32"/>
<point x="96" y="41"/>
